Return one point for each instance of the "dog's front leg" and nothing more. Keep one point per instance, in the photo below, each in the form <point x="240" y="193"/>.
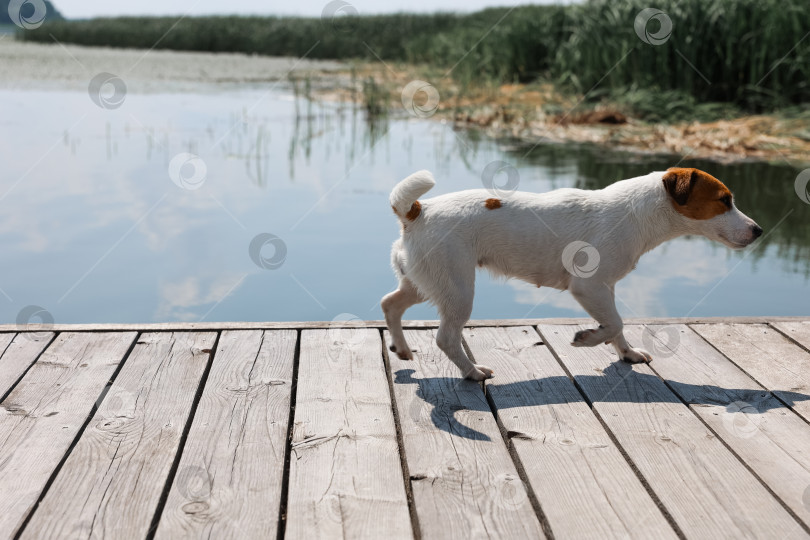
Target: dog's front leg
<point x="448" y="338"/>
<point x="598" y="300"/>
<point x="628" y="353"/>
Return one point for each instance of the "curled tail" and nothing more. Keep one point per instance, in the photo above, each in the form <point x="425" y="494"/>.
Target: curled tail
<point x="405" y="194"/>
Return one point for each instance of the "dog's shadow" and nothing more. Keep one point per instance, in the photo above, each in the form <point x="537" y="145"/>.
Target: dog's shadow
<point x="445" y="396"/>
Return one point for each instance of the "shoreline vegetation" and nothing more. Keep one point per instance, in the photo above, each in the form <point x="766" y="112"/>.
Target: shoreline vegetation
<point x="724" y="79"/>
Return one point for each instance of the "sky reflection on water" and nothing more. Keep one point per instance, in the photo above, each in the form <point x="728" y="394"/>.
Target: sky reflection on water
<point x="94" y="229"/>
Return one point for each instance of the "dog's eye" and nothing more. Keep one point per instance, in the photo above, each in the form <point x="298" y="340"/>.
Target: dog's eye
<point x="726" y="199"/>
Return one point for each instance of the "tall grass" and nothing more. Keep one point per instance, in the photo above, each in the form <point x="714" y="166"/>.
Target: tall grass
<point x="751" y="53"/>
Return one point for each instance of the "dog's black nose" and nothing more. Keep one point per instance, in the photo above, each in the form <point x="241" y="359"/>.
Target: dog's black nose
<point x="756" y="230"/>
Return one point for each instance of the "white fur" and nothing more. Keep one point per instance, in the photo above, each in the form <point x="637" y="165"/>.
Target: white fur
<point x="526" y="238"/>
<point x="406" y="192"/>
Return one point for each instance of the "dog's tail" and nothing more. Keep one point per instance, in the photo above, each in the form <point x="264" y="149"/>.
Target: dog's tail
<point x="405" y="194"/>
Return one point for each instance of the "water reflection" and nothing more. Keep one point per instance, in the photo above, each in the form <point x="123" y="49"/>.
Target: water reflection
<point x="95" y="230"/>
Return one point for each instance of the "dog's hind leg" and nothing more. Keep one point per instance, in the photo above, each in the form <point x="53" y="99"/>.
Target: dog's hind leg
<point x="394" y="305"/>
<point x="599" y="301"/>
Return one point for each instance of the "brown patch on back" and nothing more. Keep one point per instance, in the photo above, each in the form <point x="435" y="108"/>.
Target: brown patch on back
<point x="492" y="204"/>
<point x="413" y="213"/>
<point x="696" y="194"/>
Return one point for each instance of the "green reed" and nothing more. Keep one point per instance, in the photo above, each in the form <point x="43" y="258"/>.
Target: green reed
<point x="750" y="53"/>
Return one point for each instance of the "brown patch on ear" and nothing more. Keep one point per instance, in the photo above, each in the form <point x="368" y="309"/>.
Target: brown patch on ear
<point x="492" y="204"/>
<point x="413" y="213"/>
<point x="679" y="183"/>
<point x="694" y="193"/>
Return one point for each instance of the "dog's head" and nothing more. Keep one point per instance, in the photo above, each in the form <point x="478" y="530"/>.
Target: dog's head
<point x="709" y="206"/>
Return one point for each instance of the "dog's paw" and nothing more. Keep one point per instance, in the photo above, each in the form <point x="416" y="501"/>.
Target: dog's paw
<point x="635" y="356"/>
<point x="481" y="373"/>
<point x="404" y="353"/>
<point x="586" y="338"/>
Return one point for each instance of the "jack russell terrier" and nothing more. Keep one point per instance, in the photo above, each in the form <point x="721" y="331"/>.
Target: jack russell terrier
<point x="536" y="237"/>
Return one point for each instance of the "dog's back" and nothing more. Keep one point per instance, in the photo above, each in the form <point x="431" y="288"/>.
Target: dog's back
<point x="520" y="235"/>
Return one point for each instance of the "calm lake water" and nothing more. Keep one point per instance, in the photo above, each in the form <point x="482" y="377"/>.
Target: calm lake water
<point x="94" y="229"/>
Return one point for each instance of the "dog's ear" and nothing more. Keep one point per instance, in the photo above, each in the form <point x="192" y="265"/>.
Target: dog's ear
<point x="679" y="183"/>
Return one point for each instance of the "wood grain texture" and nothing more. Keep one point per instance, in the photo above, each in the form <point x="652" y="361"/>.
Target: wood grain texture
<point x="228" y="482"/>
<point x="771" y="439"/>
<point x="43" y="414"/>
<point x="569" y="459"/>
<point x="345" y="471"/>
<point x="18" y="353"/>
<point x="463" y="480"/>
<point x="110" y="485"/>
<point x="773" y="360"/>
<point x="703" y="486"/>
<point x="798" y="331"/>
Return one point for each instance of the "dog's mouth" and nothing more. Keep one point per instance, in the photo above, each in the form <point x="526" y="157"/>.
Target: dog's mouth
<point x="733" y="244"/>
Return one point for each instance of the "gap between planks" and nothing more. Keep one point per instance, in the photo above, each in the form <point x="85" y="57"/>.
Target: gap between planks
<point x="169" y="481"/>
<point x="406" y="476"/>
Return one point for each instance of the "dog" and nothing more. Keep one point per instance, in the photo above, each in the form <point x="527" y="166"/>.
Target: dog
<point x="537" y="238"/>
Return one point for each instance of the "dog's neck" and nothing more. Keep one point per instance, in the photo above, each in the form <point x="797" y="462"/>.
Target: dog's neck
<point x="655" y="220"/>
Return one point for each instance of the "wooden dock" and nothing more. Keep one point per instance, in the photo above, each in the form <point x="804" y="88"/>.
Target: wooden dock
<point x="312" y="430"/>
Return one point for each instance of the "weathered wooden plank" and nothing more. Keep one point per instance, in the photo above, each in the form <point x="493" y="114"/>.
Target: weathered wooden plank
<point x="5" y="341"/>
<point x="798" y="331"/>
<point x="111" y="483"/>
<point x="277" y="325"/>
<point x="463" y="480"/>
<point x="17" y="353"/>
<point x="41" y="417"/>
<point x="770" y="358"/>
<point x="228" y="482"/>
<point x="704" y="487"/>
<point x="773" y="441"/>
<point x="569" y="459"/>
<point x="7" y="380"/>
<point x="345" y="470"/>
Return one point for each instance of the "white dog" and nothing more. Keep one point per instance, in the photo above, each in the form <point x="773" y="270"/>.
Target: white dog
<point x="538" y="238"/>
